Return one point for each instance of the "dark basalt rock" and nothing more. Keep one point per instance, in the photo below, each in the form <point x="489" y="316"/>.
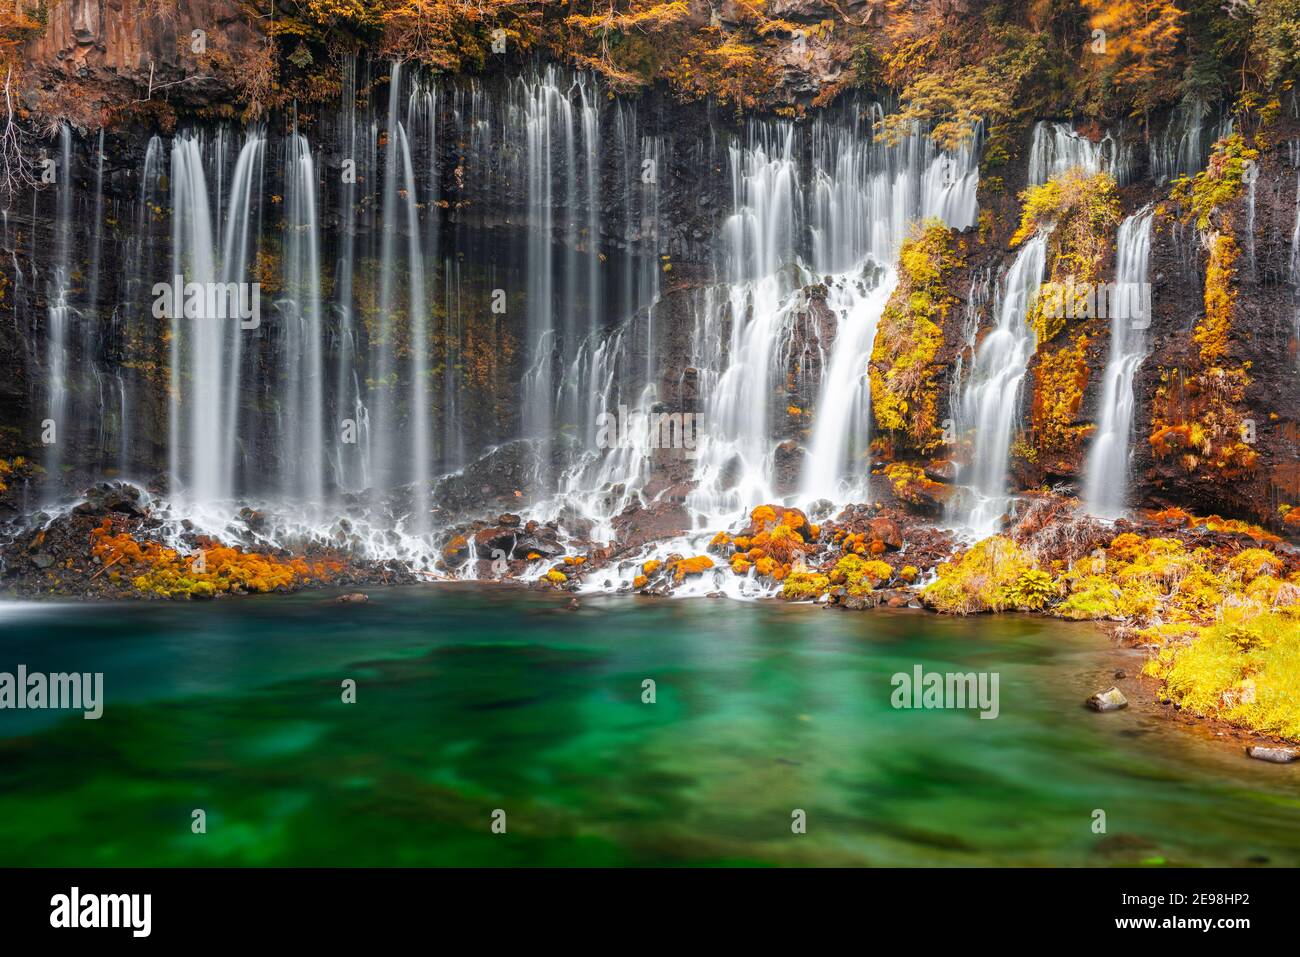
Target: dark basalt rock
<point x="110" y="497"/>
<point x="639" y="525"/>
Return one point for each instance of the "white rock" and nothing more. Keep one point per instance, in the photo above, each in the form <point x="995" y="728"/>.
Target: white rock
<point x="1112" y="699"/>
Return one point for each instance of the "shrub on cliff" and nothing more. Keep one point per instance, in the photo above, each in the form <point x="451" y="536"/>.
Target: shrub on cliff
<point x="902" y="373"/>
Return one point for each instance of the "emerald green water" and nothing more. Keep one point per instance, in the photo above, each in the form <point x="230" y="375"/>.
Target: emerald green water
<point x="473" y="699"/>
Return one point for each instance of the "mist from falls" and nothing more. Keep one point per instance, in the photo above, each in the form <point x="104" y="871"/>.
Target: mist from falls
<point x="1106" y="481"/>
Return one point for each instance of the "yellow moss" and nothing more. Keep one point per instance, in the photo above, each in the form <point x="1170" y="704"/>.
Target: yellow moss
<point x="1244" y="670"/>
<point x="1202" y="197"/>
<point x="556" y="577"/>
<point x="979" y="580"/>
<point x="901" y="373"/>
<point x="1081" y="211"/>
<point x="650" y="567"/>
<point x="690" y="566"/>
<point x="640" y="581"/>
<point x="859" y="575"/>
<point x="1059" y="380"/>
<point x="911" y="484"/>
<point x="1253" y="562"/>
<point x="804" y="586"/>
<point x="1211" y="333"/>
<point x="1032" y="589"/>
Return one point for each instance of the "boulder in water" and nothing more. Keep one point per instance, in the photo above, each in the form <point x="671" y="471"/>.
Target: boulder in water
<point x="1274" y="755"/>
<point x="353" y="598"/>
<point x="1112" y="699"/>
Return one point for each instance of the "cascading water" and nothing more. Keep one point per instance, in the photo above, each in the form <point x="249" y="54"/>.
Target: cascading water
<point x="206" y="345"/>
<point x="1295" y="244"/>
<point x="301" y="320"/>
<point x="60" y="317"/>
<point x="734" y="464"/>
<point x="547" y="110"/>
<point x="1056" y="147"/>
<point x="352" y="335"/>
<point x="1105" y="491"/>
<point x="1184" y="146"/>
<point x="989" y="402"/>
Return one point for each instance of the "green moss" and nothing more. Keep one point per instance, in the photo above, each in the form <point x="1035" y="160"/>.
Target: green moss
<point x="1214" y="187"/>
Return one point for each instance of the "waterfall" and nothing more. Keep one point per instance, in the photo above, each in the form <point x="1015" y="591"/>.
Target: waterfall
<point x="384" y="428"/>
<point x="734" y="465"/>
<point x="1056" y="147"/>
<point x="862" y="211"/>
<point x="303" y="394"/>
<point x="990" y="398"/>
<point x="206" y="347"/>
<point x="351" y="463"/>
<point x="1106" y="470"/>
<point x="419" y="335"/>
<point x="547" y="111"/>
<point x="861" y="199"/>
<point x="376" y="362"/>
<point x="1184" y="145"/>
<point x="1295" y="248"/>
<point x="835" y="468"/>
<point x="60" y="313"/>
<point x="195" y="346"/>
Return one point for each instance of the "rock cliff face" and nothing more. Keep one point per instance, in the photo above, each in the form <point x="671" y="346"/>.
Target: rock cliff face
<point x="96" y="59"/>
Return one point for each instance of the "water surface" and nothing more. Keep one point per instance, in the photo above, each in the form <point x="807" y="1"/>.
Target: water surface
<point x="472" y="699"/>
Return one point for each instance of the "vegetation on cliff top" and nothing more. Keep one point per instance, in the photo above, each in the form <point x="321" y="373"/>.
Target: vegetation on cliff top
<point x="953" y="67"/>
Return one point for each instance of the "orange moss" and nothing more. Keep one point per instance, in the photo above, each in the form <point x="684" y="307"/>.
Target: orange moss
<point x="690" y="566"/>
<point x="1211" y="333"/>
<point x="215" y="569"/>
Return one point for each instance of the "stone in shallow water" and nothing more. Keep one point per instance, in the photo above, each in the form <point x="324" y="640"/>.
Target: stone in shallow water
<point x="1275" y="755"/>
<point x="1112" y="699"/>
<point x="355" y="596"/>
